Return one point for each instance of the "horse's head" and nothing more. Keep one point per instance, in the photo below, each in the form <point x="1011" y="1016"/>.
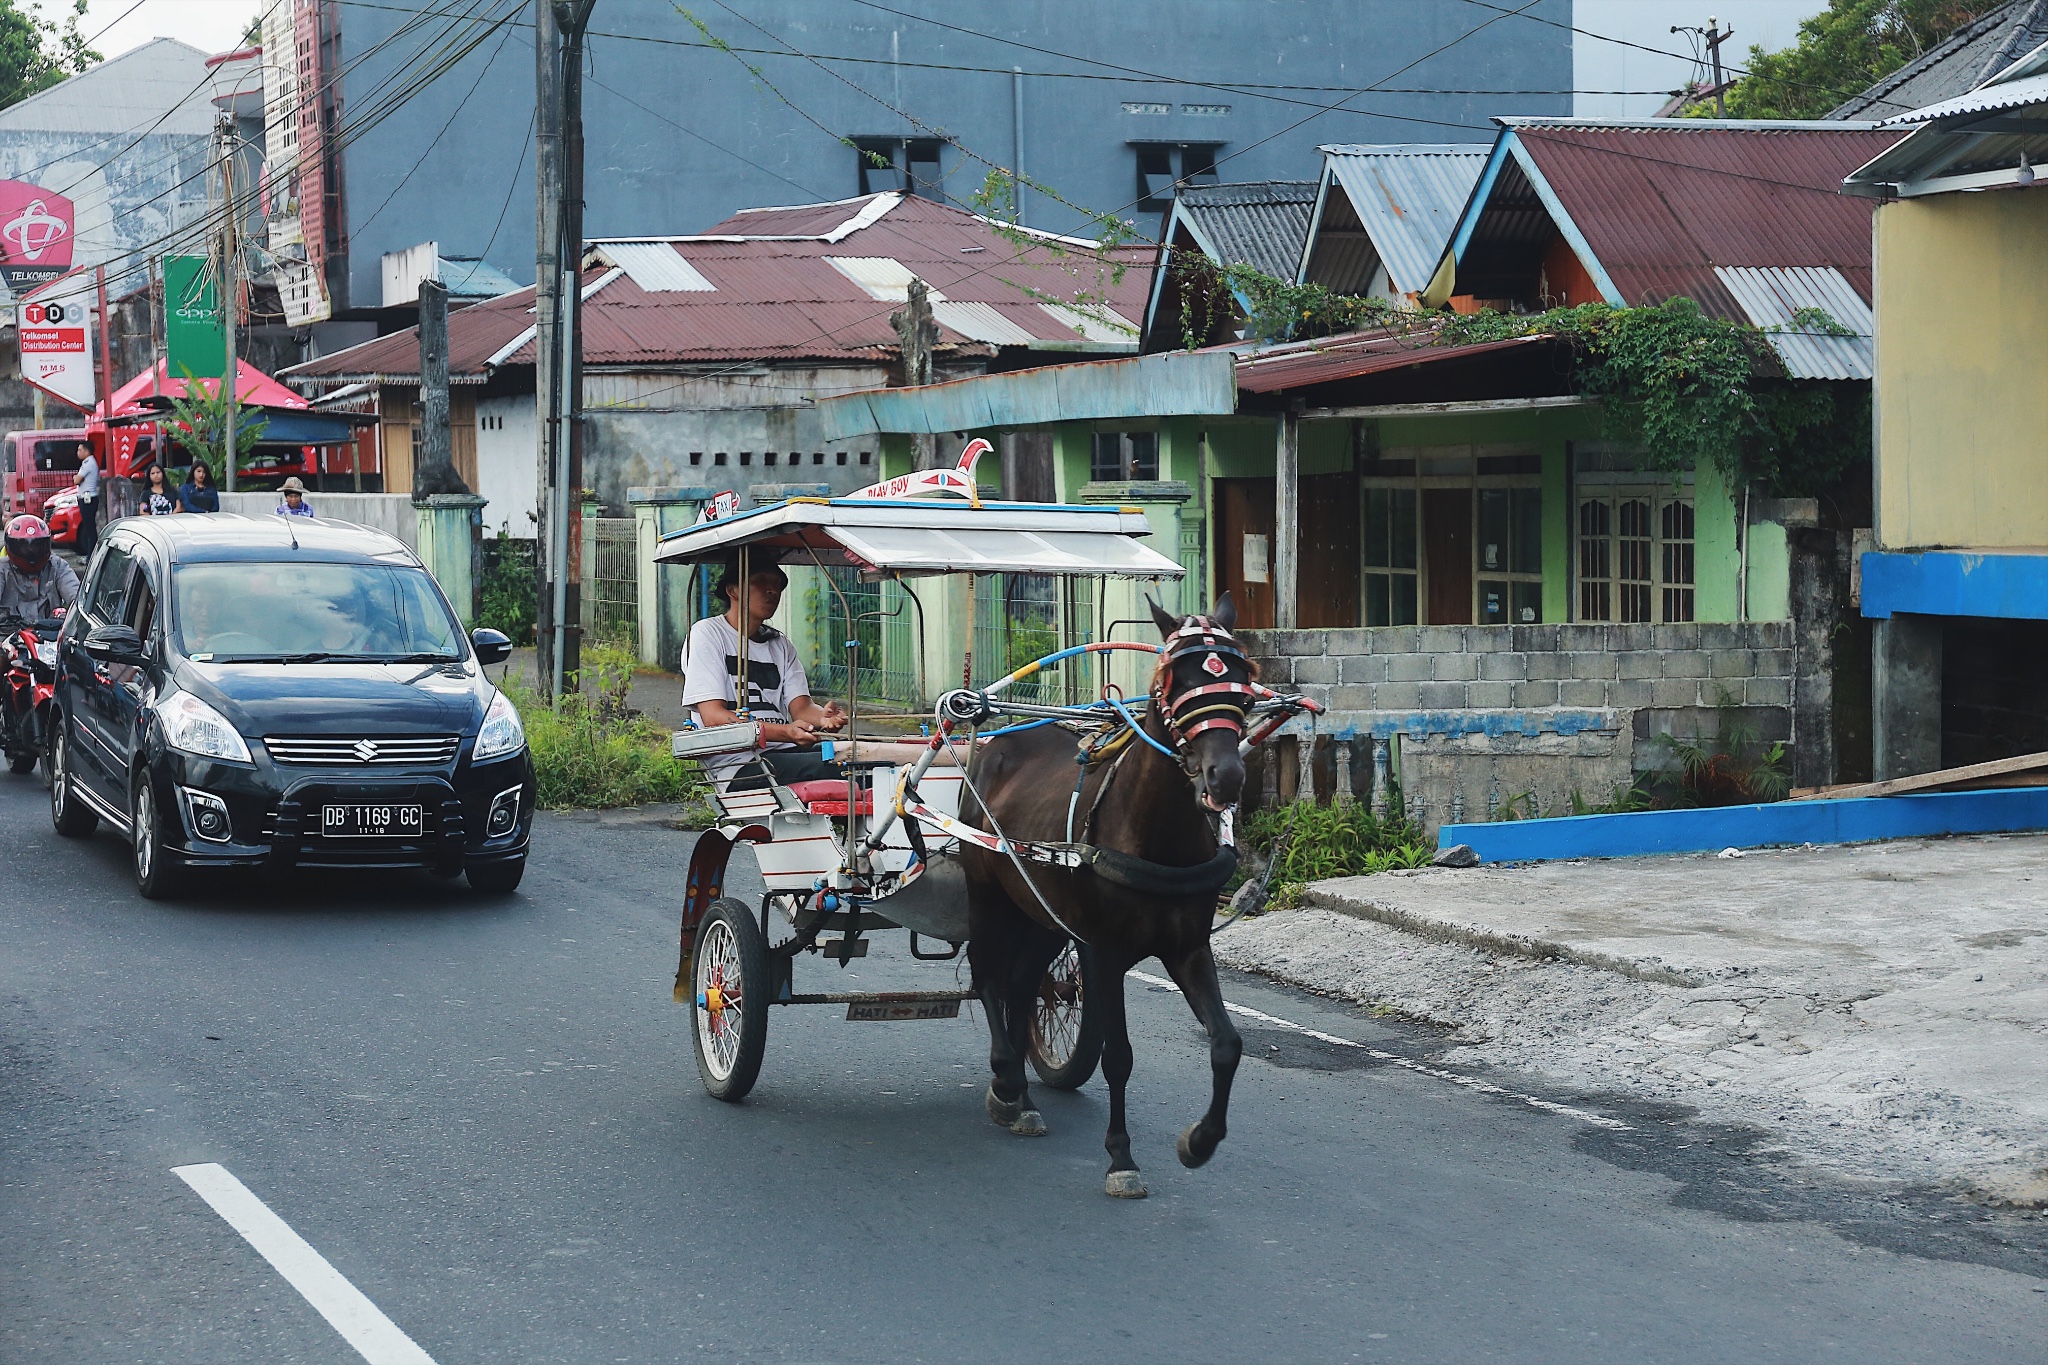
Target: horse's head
<point x="1203" y="689"/>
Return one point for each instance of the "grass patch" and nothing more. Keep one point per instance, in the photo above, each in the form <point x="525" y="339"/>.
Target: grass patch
<point x="592" y="753"/>
<point x="1330" y="841"/>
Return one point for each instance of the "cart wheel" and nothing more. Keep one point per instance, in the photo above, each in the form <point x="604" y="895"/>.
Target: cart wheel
<point x="1066" y="1035"/>
<point x="729" y="1014"/>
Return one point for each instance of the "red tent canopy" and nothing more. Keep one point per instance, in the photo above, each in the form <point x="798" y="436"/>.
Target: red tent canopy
<point x="253" y="388"/>
<point x="138" y="410"/>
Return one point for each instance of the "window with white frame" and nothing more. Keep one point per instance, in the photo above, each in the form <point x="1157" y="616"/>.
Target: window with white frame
<point x="1480" y="504"/>
<point x="1635" y="554"/>
<point x="1510" y="556"/>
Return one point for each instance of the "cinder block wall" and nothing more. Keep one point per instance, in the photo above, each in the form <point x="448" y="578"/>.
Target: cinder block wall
<point x="1488" y="714"/>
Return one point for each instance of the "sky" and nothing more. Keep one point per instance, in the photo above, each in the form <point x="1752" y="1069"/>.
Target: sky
<point x="209" y="25"/>
<point x="215" y="25"/>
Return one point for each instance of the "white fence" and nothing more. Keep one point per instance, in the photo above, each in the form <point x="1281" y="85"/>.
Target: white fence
<point x="391" y="513"/>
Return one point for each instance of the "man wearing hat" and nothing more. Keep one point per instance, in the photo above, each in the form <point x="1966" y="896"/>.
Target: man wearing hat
<point x="294" y="504"/>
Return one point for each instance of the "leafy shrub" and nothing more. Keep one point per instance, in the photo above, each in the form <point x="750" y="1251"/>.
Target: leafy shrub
<point x="506" y="599"/>
<point x="592" y="752"/>
<point x="1335" y="841"/>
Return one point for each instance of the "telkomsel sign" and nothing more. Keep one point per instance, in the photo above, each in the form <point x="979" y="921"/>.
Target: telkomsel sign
<point x="36" y="231"/>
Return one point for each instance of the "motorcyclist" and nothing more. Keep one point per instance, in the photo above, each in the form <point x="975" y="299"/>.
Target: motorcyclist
<point x="34" y="584"/>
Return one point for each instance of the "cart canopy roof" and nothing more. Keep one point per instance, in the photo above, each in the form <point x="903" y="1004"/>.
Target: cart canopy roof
<point x="939" y="535"/>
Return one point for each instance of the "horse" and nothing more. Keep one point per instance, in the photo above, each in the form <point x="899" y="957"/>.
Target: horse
<point x="1149" y="825"/>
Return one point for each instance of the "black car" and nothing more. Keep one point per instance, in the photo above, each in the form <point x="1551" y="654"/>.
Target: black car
<point x="282" y="693"/>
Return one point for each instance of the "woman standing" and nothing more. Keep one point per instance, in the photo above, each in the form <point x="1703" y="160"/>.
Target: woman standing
<point x="197" y="493"/>
<point x="159" y="499"/>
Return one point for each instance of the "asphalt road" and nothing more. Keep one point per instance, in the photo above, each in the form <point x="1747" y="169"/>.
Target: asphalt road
<point x="485" y="1115"/>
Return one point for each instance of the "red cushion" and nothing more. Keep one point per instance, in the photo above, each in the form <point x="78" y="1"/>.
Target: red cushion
<point x="825" y="796"/>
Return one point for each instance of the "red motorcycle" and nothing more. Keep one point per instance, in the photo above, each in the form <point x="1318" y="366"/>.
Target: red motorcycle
<point x="28" y="678"/>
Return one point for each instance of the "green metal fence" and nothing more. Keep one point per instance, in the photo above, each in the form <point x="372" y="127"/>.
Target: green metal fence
<point x="878" y="608"/>
<point x="1021" y="617"/>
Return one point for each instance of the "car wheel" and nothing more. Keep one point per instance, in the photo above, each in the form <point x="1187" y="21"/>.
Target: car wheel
<point x="72" y="817"/>
<point x="497" y="879"/>
<point x="156" y="875"/>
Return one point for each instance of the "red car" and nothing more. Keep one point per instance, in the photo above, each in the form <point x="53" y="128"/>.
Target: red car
<point x="36" y="464"/>
<point x="61" y="511"/>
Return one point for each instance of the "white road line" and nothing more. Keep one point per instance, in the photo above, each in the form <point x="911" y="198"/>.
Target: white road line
<point x="1472" y="1083"/>
<point x="376" y="1338"/>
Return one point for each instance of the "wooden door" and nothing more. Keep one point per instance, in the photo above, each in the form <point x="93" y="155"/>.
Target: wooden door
<point x="1447" y="555"/>
<point x="1244" y="509"/>
<point x="1326" y="596"/>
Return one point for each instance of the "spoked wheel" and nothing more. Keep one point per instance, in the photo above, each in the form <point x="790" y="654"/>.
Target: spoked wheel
<point x="729" y="1012"/>
<point x="1066" y="1035"/>
<point x="72" y="817"/>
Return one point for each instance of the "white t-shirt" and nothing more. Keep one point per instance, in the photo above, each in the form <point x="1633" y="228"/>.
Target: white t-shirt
<point x="711" y="668"/>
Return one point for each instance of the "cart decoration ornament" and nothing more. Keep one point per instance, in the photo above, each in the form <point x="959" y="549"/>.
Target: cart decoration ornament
<point x="726" y="504"/>
<point x="959" y="479"/>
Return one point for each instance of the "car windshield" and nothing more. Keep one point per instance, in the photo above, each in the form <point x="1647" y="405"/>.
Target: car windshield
<point x="305" y="613"/>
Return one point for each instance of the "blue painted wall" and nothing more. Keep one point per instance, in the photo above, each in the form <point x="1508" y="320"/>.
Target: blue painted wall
<point x="1763" y="826"/>
<point x="1952" y="583"/>
<point x="680" y="134"/>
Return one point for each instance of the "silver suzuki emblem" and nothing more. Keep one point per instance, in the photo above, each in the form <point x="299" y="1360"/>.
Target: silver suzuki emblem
<point x="365" y="750"/>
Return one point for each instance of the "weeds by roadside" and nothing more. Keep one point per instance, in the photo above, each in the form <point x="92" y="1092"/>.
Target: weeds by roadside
<point x="593" y="753"/>
<point x="1330" y="841"/>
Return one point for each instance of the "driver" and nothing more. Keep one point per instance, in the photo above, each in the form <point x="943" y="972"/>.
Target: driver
<point x="34" y="584"/>
<point x="778" y="694"/>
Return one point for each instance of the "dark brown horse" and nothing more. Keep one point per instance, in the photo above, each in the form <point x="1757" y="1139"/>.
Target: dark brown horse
<point x="1152" y="893"/>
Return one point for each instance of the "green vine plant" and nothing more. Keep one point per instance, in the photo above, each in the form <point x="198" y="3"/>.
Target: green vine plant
<point x="1685" y="387"/>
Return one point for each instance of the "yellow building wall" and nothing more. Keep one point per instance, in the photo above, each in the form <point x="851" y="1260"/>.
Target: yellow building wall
<point x="1962" y="350"/>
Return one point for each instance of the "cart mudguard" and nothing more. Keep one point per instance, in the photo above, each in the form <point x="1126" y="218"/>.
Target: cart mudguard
<point x="706" y="883"/>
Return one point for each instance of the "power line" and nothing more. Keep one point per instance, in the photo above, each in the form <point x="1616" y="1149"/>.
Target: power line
<point x="512" y="185"/>
<point x="462" y="104"/>
<point x="691" y="132"/>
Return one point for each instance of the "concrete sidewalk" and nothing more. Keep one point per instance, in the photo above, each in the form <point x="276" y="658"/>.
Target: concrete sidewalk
<point x="1882" y="1008"/>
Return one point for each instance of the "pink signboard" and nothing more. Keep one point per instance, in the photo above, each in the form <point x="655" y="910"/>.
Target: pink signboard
<point x="36" y="230"/>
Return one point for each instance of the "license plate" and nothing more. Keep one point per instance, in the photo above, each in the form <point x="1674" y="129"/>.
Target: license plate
<point x="370" y="822"/>
<point x="891" y="1011"/>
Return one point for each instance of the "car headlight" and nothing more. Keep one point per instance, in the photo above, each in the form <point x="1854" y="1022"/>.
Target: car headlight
<point x="502" y="733"/>
<point x="193" y="727"/>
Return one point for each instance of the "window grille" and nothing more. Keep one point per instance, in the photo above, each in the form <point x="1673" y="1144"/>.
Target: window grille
<point x="1391" y="564"/>
<point x="1636" y="556"/>
<point x="1124" y="455"/>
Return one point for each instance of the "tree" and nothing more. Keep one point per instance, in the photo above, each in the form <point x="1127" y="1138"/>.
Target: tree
<point x="199" y="421"/>
<point x="37" y="52"/>
<point x="1841" y="51"/>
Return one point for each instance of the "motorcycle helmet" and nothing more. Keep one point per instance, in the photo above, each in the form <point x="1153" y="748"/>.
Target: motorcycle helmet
<point x="28" y="543"/>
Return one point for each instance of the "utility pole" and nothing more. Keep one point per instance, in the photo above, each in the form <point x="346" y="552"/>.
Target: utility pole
<point x="559" y="28"/>
<point x="434" y="472"/>
<point x="1713" y="37"/>
<point x="230" y="249"/>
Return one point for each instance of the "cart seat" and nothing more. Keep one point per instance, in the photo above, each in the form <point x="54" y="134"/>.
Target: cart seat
<point x="827" y="796"/>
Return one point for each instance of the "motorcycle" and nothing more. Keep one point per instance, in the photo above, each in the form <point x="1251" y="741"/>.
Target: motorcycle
<point x="28" y="680"/>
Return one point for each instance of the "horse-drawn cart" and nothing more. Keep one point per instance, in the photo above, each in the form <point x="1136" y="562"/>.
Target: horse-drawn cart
<point x="882" y="850"/>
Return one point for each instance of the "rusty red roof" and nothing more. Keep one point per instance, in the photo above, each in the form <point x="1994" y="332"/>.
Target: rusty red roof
<point x="1354" y="355"/>
<point x="1662" y="204"/>
<point x="810" y="283"/>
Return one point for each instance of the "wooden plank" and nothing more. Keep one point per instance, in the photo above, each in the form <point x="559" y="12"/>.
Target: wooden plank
<point x="1940" y="779"/>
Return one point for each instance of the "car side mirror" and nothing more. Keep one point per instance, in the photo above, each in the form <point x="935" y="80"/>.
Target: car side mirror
<point x="491" y="646"/>
<point x="115" y="645"/>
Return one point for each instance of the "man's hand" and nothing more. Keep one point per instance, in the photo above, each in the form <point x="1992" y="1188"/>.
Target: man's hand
<point x="831" y="718"/>
<point x="800" y="734"/>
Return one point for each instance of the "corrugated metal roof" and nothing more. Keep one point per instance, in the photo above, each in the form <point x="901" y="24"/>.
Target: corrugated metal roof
<point x="1352" y="355"/>
<point x="1970" y="56"/>
<point x="468" y="277"/>
<point x="1772" y="298"/>
<point x="881" y="276"/>
<point x="1989" y="99"/>
<point x="656" y="267"/>
<point x="982" y="322"/>
<point x="1662" y="205"/>
<point x="789" y="297"/>
<point x="1260" y="224"/>
<point x="1407" y="198"/>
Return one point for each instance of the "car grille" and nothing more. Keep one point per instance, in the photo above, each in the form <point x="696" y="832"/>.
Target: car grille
<point x="346" y="751"/>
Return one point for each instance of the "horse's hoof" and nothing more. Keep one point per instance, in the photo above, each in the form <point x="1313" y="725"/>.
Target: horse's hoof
<point x="1125" y="1185"/>
<point x="1185" y="1148"/>
<point x="1030" y="1123"/>
<point x="1004" y="1112"/>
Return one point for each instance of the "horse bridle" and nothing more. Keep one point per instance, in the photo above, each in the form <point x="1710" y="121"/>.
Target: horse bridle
<point x="1212" y="706"/>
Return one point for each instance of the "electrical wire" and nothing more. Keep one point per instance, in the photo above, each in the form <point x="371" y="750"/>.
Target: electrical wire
<point x="525" y="150"/>
<point x="456" y="113"/>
